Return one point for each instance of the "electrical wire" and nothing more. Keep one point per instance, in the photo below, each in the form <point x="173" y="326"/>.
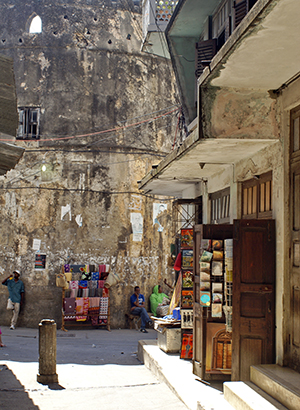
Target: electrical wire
<point x="103" y="131"/>
<point x="88" y="191"/>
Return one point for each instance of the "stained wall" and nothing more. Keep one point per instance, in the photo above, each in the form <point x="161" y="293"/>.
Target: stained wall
<point x="86" y="73"/>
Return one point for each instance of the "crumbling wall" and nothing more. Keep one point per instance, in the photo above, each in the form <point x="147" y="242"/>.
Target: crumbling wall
<point x="86" y="73"/>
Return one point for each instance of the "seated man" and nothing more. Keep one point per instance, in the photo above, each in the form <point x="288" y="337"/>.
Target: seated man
<point x="137" y="302"/>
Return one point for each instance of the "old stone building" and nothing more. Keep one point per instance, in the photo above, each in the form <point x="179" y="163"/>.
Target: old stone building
<point x="95" y="114"/>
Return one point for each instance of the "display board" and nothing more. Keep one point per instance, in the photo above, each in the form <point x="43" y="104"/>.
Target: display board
<point x="186" y="302"/>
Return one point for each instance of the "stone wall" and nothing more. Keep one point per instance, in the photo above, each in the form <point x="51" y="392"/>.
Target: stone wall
<point x="87" y="75"/>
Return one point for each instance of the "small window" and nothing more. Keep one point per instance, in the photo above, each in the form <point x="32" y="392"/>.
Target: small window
<point x="257" y="197"/>
<point x="36" y="25"/>
<point x="29" y="119"/>
<point x="220" y="207"/>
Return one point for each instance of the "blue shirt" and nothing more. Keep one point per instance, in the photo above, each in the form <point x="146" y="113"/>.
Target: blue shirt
<point x="15" y="289"/>
<point x="133" y="299"/>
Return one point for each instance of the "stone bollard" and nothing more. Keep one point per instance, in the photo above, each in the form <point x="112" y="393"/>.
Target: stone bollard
<point x="47" y="352"/>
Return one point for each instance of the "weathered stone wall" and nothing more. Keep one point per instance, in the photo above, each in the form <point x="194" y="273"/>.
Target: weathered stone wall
<point x="86" y="73"/>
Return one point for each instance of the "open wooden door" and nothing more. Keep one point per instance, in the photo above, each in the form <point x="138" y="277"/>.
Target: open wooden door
<point x="294" y="335"/>
<point x="202" y="314"/>
<point x="253" y="327"/>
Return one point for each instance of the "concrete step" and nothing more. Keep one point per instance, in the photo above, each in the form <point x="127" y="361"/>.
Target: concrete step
<point x="247" y="396"/>
<point x="282" y="383"/>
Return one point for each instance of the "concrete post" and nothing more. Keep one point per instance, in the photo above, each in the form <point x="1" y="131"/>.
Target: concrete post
<point x="47" y="352"/>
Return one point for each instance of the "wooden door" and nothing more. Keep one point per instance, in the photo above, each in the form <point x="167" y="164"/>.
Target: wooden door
<point x="294" y="339"/>
<point x="201" y="316"/>
<point x="253" y="321"/>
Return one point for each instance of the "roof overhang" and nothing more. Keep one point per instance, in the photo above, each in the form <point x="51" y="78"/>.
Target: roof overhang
<point x="197" y="160"/>
<point x="263" y="52"/>
<point x="10" y="155"/>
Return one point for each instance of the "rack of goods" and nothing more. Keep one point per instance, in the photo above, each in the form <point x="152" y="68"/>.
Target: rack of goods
<point x="234" y="291"/>
<point x="85" y="297"/>
<point x="187" y="302"/>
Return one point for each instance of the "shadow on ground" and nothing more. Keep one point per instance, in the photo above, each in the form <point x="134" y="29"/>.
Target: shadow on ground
<point x="12" y="391"/>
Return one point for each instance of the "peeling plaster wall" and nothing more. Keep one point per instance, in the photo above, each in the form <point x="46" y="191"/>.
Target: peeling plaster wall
<point x="87" y="74"/>
<point x="238" y="113"/>
<point x="258" y="115"/>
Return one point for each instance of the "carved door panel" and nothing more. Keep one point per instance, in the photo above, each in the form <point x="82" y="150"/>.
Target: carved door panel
<point x="294" y="335"/>
<point x="253" y="327"/>
<point x="294" y="360"/>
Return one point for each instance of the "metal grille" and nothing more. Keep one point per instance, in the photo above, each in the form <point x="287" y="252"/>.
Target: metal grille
<point x="164" y="9"/>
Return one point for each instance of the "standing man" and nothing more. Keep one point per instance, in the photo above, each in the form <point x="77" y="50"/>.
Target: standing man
<point x="16" y="295"/>
<point x="137" y="302"/>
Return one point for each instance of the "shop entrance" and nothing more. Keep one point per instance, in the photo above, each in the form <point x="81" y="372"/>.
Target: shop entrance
<point x="252" y="283"/>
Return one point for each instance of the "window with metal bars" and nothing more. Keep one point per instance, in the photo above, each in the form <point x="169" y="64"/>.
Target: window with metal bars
<point x="257" y="197"/>
<point x="29" y="121"/>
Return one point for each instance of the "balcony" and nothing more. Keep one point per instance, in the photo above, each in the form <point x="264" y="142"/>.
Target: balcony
<point x="156" y="16"/>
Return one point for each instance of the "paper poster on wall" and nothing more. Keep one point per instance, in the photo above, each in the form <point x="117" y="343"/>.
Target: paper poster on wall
<point x="135" y="203"/>
<point x="40" y="261"/>
<point x="158" y="208"/>
<point x="36" y="245"/>
<point x="136" y="220"/>
<point x="66" y="210"/>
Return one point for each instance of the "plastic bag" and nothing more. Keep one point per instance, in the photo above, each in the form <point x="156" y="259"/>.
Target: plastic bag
<point x="61" y="281"/>
<point x="10" y="305"/>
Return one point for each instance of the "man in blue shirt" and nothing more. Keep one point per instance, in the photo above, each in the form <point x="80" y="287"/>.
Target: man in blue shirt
<point x="16" y="295"/>
<point x="137" y="302"/>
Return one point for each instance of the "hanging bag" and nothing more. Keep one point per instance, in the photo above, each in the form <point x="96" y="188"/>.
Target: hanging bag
<point x="10" y="305"/>
<point x="61" y="281"/>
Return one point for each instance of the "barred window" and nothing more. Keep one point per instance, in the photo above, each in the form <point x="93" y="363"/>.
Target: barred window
<point x="29" y="119"/>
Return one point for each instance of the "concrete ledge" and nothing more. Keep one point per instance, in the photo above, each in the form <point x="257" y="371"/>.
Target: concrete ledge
<point x="247" y="396"/>
<point x="178" y="375"/>
<point x="282" y="383"/>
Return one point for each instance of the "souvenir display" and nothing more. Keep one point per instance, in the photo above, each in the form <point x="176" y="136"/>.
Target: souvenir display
<point x="186" y="291"/>
<point x="186" y="238"/>
<point x="218" y="349"/>
<point x="205" y="286"/>
<point x="217" y="287"/>
<point x="205" y="267"/>
<point x="216" y="310"/>
<point x="217" y="298"/>
<point x="218" y="255"/>
<point x="217" y="245"/>
<point x="205" y="299"/>
<point x="228" y="253"/>
<point x="186" y="299"/>
<point x="204" y="277"/>
<point x="86" y="300"/>
<point x="187" y="279"/>
<point x="206" y="256"/>
<point x="187" y="259"/>
<point x="217" y="268"/>
<point x="186" y="351"/>
<point x="206" y="244"/>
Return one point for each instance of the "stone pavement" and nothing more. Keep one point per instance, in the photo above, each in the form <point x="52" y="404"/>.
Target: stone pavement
<point x="97" y="367"/>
